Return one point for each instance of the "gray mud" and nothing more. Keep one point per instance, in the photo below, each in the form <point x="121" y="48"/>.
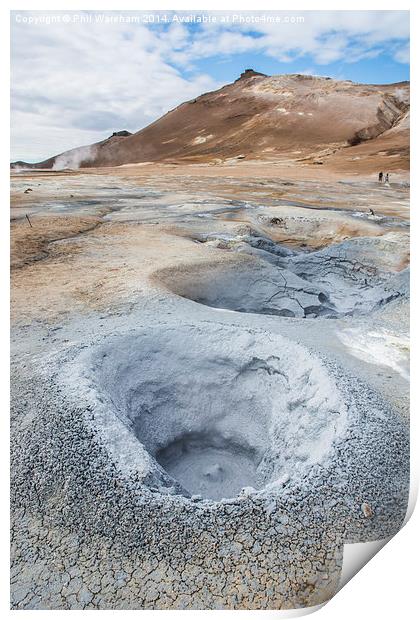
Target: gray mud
<point x="346" y="279"/>
<point x="169" y="454"/>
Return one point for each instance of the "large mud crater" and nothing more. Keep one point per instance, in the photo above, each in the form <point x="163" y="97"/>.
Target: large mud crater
<point x="219" y="408"/>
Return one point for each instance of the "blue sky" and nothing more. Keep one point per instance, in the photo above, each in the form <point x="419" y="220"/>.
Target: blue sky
<point x="383" y="69"/>
<point x="79" y="76"/>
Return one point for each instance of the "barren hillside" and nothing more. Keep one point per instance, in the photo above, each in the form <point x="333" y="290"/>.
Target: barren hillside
<point x="300" y="118"/>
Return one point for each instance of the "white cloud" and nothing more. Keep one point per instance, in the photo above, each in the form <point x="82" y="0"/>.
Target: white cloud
<point x="326" y="36"/>
<point x="77" y="83"/>
<point x="403" y="54"/>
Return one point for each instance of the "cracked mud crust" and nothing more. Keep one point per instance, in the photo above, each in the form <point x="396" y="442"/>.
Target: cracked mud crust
<point x="115" y="543"/>
<point x="95" y="532"/>
<point x="124" y="375"/>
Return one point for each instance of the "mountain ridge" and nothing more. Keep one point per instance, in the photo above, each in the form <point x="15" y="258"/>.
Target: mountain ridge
<point x="295" y="117"/>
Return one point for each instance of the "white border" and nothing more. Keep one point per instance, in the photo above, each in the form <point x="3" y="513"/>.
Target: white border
<point x="388" y="585"/>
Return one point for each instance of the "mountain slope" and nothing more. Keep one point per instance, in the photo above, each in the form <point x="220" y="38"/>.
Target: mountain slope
<point x="293" y="117"/>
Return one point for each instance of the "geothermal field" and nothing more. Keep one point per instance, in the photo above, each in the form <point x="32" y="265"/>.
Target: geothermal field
<point x="210" y="354"/>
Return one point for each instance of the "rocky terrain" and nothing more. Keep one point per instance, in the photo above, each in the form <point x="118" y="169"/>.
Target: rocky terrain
<point x="288" y="118"/>
<point x="209" y="384"/>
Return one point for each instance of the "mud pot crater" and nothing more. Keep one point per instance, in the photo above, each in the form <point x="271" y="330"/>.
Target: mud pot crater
<point x="216" y="409"/>
<point x="346" y="279"/>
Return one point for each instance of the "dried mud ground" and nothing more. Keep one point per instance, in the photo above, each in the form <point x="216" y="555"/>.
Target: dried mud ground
<point x="177" y="331"/>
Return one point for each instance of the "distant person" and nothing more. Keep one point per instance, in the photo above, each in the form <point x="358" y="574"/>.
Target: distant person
<point x="387" y="178"/>
<point x="381" y="177"/>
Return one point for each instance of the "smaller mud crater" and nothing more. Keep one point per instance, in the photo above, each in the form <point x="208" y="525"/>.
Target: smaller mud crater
<point x="342" y="280"/>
